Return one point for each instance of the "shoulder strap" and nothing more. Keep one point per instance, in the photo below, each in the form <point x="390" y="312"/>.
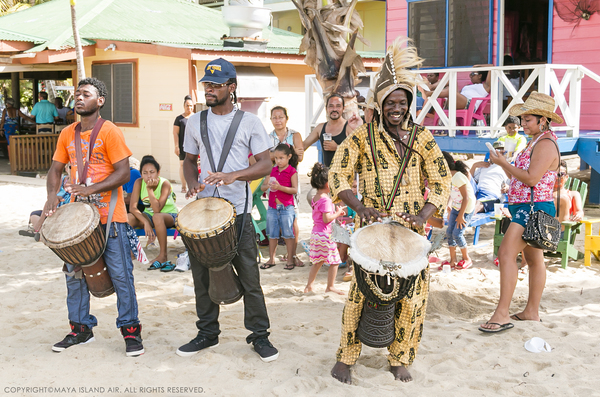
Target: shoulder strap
<point x="558" y="171"/>
<point x="82" y="168"/>
<point x="235" y="123"/>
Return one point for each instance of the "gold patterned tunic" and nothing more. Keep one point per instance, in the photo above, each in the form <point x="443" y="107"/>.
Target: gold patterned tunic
<point x="426" y="163"/>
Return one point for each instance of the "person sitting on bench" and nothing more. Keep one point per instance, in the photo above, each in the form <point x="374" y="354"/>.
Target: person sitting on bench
<point x="491" y="182"/>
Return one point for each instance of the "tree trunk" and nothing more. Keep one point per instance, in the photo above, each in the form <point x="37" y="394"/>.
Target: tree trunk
<point x="78" y="49"/>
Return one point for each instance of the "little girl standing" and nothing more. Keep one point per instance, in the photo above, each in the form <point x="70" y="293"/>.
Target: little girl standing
<point x="322" y="248"/>
<point x="462" y="200"/>
<point x="282" y="185"/>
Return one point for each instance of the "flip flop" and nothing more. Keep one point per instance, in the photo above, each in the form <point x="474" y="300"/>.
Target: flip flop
<point x="267" y="266"/>
<point x="27" y="233"/>
<point x="290" y="266"/>
<point x="167" y="267"/>
<point x="441" y="267"/>
<point x="462" y="265"/>
<point x="155" y="265"/>
<point x="516" y="317"/>
<point x="343" y="264"/>
<point x="501" y="327"/>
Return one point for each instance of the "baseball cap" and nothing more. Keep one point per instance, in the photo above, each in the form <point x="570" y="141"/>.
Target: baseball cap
<point x="218" y="71"/>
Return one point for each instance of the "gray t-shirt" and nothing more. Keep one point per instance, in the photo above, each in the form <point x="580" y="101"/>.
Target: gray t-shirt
<point x="251" y="137"/>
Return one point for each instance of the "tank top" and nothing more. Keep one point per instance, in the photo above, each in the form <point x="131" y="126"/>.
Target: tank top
<point x="339" y="138"/>
<point x="543" y="191"/>
<point x="169" y="208"/>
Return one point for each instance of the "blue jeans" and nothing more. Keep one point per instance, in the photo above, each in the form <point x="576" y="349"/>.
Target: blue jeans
<point x="281" y="218"/>
<point x="120" y="268"/>
<point x="453" y="233"/>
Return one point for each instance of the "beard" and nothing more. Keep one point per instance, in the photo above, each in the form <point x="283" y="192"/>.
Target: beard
<point x="216" y="101"/>
<point x="332" y="117"/>
<point x="87" y="112"/>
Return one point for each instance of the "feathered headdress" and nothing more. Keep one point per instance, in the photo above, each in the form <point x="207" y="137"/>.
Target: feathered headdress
<point x="395" y="73"/>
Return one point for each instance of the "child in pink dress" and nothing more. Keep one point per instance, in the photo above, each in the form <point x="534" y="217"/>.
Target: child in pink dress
<point x="322" y="248"/>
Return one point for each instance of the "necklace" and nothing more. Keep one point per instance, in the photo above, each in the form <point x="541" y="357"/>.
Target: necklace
<point x="403" y="138"/>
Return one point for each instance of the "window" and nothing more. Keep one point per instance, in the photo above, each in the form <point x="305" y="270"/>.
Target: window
<point x="451" y="32"/>
<point x="120" y="80"/>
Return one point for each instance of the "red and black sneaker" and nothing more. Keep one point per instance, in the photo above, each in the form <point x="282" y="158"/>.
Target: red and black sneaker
<point x="80" y="334"/>
<point x="132" y="334"/>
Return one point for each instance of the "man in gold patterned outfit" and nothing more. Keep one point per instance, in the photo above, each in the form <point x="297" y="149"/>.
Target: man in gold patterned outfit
<point x="377" y="151"/>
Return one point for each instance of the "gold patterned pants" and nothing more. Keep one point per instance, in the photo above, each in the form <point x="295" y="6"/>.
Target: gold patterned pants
<point x="409" y="316"/>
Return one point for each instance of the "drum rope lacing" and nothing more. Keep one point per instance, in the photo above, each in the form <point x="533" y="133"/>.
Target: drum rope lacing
<point x="377" y="290"/>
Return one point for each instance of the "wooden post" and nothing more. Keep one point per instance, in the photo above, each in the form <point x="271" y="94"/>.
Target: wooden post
<point x="16" y="88"/>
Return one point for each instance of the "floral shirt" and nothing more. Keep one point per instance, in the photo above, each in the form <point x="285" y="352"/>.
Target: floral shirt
<point x="543" y="191"/>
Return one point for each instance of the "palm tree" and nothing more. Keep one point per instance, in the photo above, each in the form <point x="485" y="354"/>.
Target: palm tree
<point x="10" y="6"/>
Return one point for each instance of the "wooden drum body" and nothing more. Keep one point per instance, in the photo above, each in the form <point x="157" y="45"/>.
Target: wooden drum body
<point x="207" y="228"/>
<point x="74" y="234"/>
<point x="388" y="259"/>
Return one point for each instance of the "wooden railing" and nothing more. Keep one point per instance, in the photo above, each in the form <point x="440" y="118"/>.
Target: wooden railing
<point x="30" y="153"/>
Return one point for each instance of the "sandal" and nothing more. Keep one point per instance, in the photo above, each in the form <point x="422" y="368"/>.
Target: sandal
<point x="290" y="266"/>
<point x="155" y="265"/>
<point x="462" y="265"/>
<point x="298" y="262"/>
<point x="167" y="267"/>
<point x="441" y="267"/>
<point x="267" y="266"/>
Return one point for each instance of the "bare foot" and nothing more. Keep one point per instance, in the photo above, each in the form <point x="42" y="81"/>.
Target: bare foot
<point x="161" y="259"/>
<point x="341" y="372"/>
<point x="333" y="289"/>
<point x="401" y="373"/>
<point x="308" y="289"/>
<point x="299" y="263"/>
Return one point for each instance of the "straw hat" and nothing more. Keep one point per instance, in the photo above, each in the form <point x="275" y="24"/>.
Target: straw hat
<point x="537" y="104"/>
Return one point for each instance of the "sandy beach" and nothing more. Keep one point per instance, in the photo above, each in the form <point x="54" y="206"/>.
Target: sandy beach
<point x="454" y="359"/>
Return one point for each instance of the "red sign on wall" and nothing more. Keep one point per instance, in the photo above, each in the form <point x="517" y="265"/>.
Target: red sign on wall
<point x="168" y="107"/>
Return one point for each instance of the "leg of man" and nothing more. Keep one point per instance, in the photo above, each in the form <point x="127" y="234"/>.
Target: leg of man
<point x="410" y="314"/>
<point x="256" y="319"/>
<point x="78" y="300"/>
<point x="120" y="267"/>
<point x="350" y="346"/>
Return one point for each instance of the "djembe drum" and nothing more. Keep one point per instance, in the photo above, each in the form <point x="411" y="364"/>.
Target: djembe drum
<point x="74" y="233"/>
<point x="388" y="258"/>
<point x="207" y="228"/>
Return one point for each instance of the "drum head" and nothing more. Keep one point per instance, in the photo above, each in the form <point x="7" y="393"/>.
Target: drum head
<point x="70" y="224"/>
<point x="390" y="248"/>
<point x="205" y="216"/>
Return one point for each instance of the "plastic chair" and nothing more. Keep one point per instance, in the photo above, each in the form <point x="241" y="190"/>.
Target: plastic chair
<point x="260" y="225"/>
<point x="591" y="242"/>
<point x="468" y="115"/>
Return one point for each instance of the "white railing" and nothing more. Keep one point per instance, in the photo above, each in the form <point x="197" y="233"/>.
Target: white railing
<point x="546" y="77"/>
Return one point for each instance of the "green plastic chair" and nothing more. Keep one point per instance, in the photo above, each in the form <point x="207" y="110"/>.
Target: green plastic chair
<point x="260" y="225"/>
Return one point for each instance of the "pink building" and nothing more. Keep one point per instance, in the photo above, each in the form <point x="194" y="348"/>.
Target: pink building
<point x="452" y="33"/>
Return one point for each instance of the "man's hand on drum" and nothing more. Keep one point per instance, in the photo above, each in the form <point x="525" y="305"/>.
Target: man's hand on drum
<point x="78" y="190"/>
<point x="220" y="178"/>
<point x="194" y="190"/>
<point x="368" y="215"/>
<point x="51" y="204"/>
<point x="414" y="220"/>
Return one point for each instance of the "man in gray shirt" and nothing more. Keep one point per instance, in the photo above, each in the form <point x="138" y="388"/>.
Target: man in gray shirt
<point x="220" y="84"/>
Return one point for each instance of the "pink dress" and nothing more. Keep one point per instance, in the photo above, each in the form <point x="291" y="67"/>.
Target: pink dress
<point x="322" y="248"/>
<point x="543" y="191"/>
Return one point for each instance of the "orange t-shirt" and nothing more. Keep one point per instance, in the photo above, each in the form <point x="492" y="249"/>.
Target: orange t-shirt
<point x="110" y="148"/>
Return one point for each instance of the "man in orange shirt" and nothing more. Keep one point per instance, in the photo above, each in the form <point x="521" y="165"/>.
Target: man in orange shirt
<point x="108" y="169"/>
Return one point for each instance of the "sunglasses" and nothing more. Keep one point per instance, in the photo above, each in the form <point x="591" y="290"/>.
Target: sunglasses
<point x="474" y="74"/>
<point x="214" y="86"/>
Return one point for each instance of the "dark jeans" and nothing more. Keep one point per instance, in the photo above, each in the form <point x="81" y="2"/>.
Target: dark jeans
<point x="256" y="319"/>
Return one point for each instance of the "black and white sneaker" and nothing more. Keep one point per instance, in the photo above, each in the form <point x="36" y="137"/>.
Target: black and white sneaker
<point x="80" y="335"/>
<point x="265" y="349"/>
<point x="200" y="342"/>
<point x="132" y="334"/>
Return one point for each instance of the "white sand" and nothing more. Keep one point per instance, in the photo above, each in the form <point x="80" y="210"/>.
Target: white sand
<point x="454" y="358"/>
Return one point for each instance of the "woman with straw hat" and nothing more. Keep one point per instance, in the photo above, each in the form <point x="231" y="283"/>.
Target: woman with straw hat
<point x="537" y="169"/>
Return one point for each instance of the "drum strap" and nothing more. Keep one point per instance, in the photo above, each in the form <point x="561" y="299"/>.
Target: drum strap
<point x="82" y="171"/>
<point x="235" y="123"/>
<point x="403" y="164"/>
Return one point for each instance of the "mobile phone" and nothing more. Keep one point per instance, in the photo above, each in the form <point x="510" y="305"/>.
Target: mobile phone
<point x="490" y="146"/>
<point x="326" y="136"/>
